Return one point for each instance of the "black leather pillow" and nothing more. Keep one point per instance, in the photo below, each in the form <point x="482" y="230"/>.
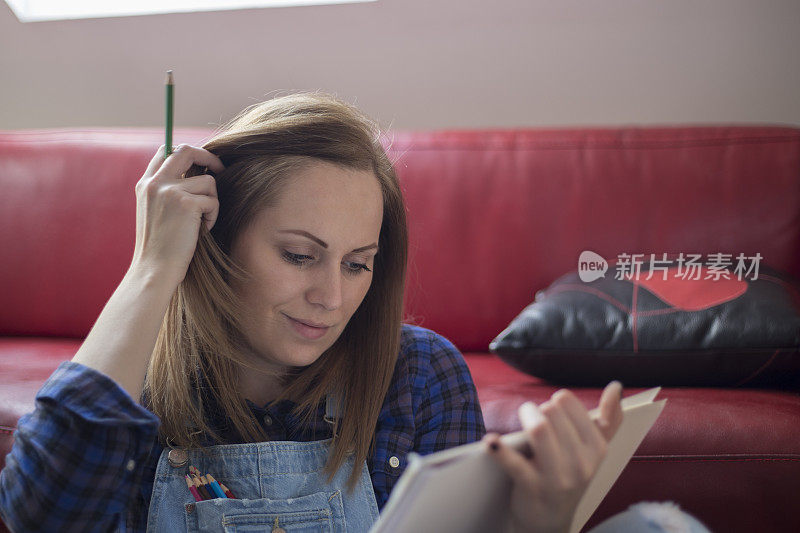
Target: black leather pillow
<point x="654" y="332"/>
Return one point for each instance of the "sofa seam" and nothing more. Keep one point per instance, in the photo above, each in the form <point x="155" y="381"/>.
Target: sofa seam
<point x="712" y="458"/>
<point x="635" y="145"/>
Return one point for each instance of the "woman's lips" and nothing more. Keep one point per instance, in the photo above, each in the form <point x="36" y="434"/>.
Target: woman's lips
<point x="306" y="331"/>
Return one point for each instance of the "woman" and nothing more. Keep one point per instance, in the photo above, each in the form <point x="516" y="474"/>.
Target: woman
<point x="259" y="326"/>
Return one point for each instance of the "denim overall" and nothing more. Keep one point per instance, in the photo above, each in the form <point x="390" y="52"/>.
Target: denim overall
<point x="279" y="486"/>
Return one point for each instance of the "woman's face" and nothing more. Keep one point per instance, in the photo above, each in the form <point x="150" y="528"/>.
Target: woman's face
<point x="307" y="257"/>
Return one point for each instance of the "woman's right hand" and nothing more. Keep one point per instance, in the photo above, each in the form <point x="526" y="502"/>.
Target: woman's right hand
<point x="568" y="448"/>
<point x="171" y="208"/>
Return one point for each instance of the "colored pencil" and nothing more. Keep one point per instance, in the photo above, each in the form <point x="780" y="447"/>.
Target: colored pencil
<point x="192" y="471"/>
<point x="215" y="486"/>
<point x="193" y="490"/>
<point x="227" y="491"/>
<point x="170" y="112"/>
<point x="197" y="485"/>
<point x="202" y="489"/>
<point x="211" y="488"/>
<point x="207" y="485"/>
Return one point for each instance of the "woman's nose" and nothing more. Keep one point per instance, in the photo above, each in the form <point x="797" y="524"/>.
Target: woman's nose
<point x="326" y="289"/>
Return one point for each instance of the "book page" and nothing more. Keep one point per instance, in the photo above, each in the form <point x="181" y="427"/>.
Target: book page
<point x="635" y="425"/>
<point x="463" y="490"/>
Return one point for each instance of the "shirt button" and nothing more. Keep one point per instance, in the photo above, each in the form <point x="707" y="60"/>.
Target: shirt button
<point x="394" y="462"/>
<point x="131" y="465"/>
<point x="267" y="420"/>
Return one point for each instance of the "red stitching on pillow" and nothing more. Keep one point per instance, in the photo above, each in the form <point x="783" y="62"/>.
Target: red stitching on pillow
<point x="634" y="318"/>
<point x="581" y="288"/>
<point x="656" y="312"/>
<point x="757" y="372"/>
<point x="789" y="287"/>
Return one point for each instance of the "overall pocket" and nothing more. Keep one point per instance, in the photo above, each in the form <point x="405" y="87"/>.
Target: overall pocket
<point x="317" y="512"/>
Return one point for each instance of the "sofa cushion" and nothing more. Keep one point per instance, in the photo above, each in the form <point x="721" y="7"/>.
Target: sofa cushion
<point x="674" y="326"/>
<point x="25" y="364"/>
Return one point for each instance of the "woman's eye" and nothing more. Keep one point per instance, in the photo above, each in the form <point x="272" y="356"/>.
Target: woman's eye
<point x="302" y="260"/>
<point x="357" y="268"/>
<point x="296" y="259"/>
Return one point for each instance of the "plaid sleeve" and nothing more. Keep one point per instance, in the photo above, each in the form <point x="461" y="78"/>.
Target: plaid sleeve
<point x="78" y="457"/>
<point x="448" y="413"/>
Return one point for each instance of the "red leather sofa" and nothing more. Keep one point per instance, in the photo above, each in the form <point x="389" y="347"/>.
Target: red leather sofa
<point x="494" y="217"/>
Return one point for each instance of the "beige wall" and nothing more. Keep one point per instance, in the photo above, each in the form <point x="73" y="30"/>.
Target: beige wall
<point x="417" y="64"/>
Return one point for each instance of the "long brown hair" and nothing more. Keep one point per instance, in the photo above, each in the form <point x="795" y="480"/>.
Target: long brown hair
<point x="201" y="341"/>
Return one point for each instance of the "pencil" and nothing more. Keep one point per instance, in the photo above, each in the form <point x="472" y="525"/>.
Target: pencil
<point x="197" y="485"/>
<point x="202" y="489"/>
<point x="215" y="486"/>
<point x="209" y="487"/>
<point x="193" y="490"/>
<point x="227" y="491"/>
<point x="170" y="108"/>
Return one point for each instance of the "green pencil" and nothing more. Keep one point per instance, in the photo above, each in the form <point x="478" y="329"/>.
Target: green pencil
<point x="170" y="98"/>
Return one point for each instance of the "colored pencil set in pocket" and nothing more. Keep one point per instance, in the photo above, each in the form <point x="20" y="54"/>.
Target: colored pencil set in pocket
<point x="205" y="487"/>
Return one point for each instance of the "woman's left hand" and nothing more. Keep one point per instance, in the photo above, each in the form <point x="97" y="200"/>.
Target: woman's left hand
<point x="568" y="448"/>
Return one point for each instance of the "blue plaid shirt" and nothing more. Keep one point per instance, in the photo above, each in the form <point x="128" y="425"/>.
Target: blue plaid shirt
<point x="85" y="458"/>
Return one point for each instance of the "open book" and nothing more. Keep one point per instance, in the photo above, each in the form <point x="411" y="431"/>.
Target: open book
<point x="463" y="489"/>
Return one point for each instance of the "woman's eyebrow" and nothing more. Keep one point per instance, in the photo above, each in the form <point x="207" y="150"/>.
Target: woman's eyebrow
<point x="321" y="242"/>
